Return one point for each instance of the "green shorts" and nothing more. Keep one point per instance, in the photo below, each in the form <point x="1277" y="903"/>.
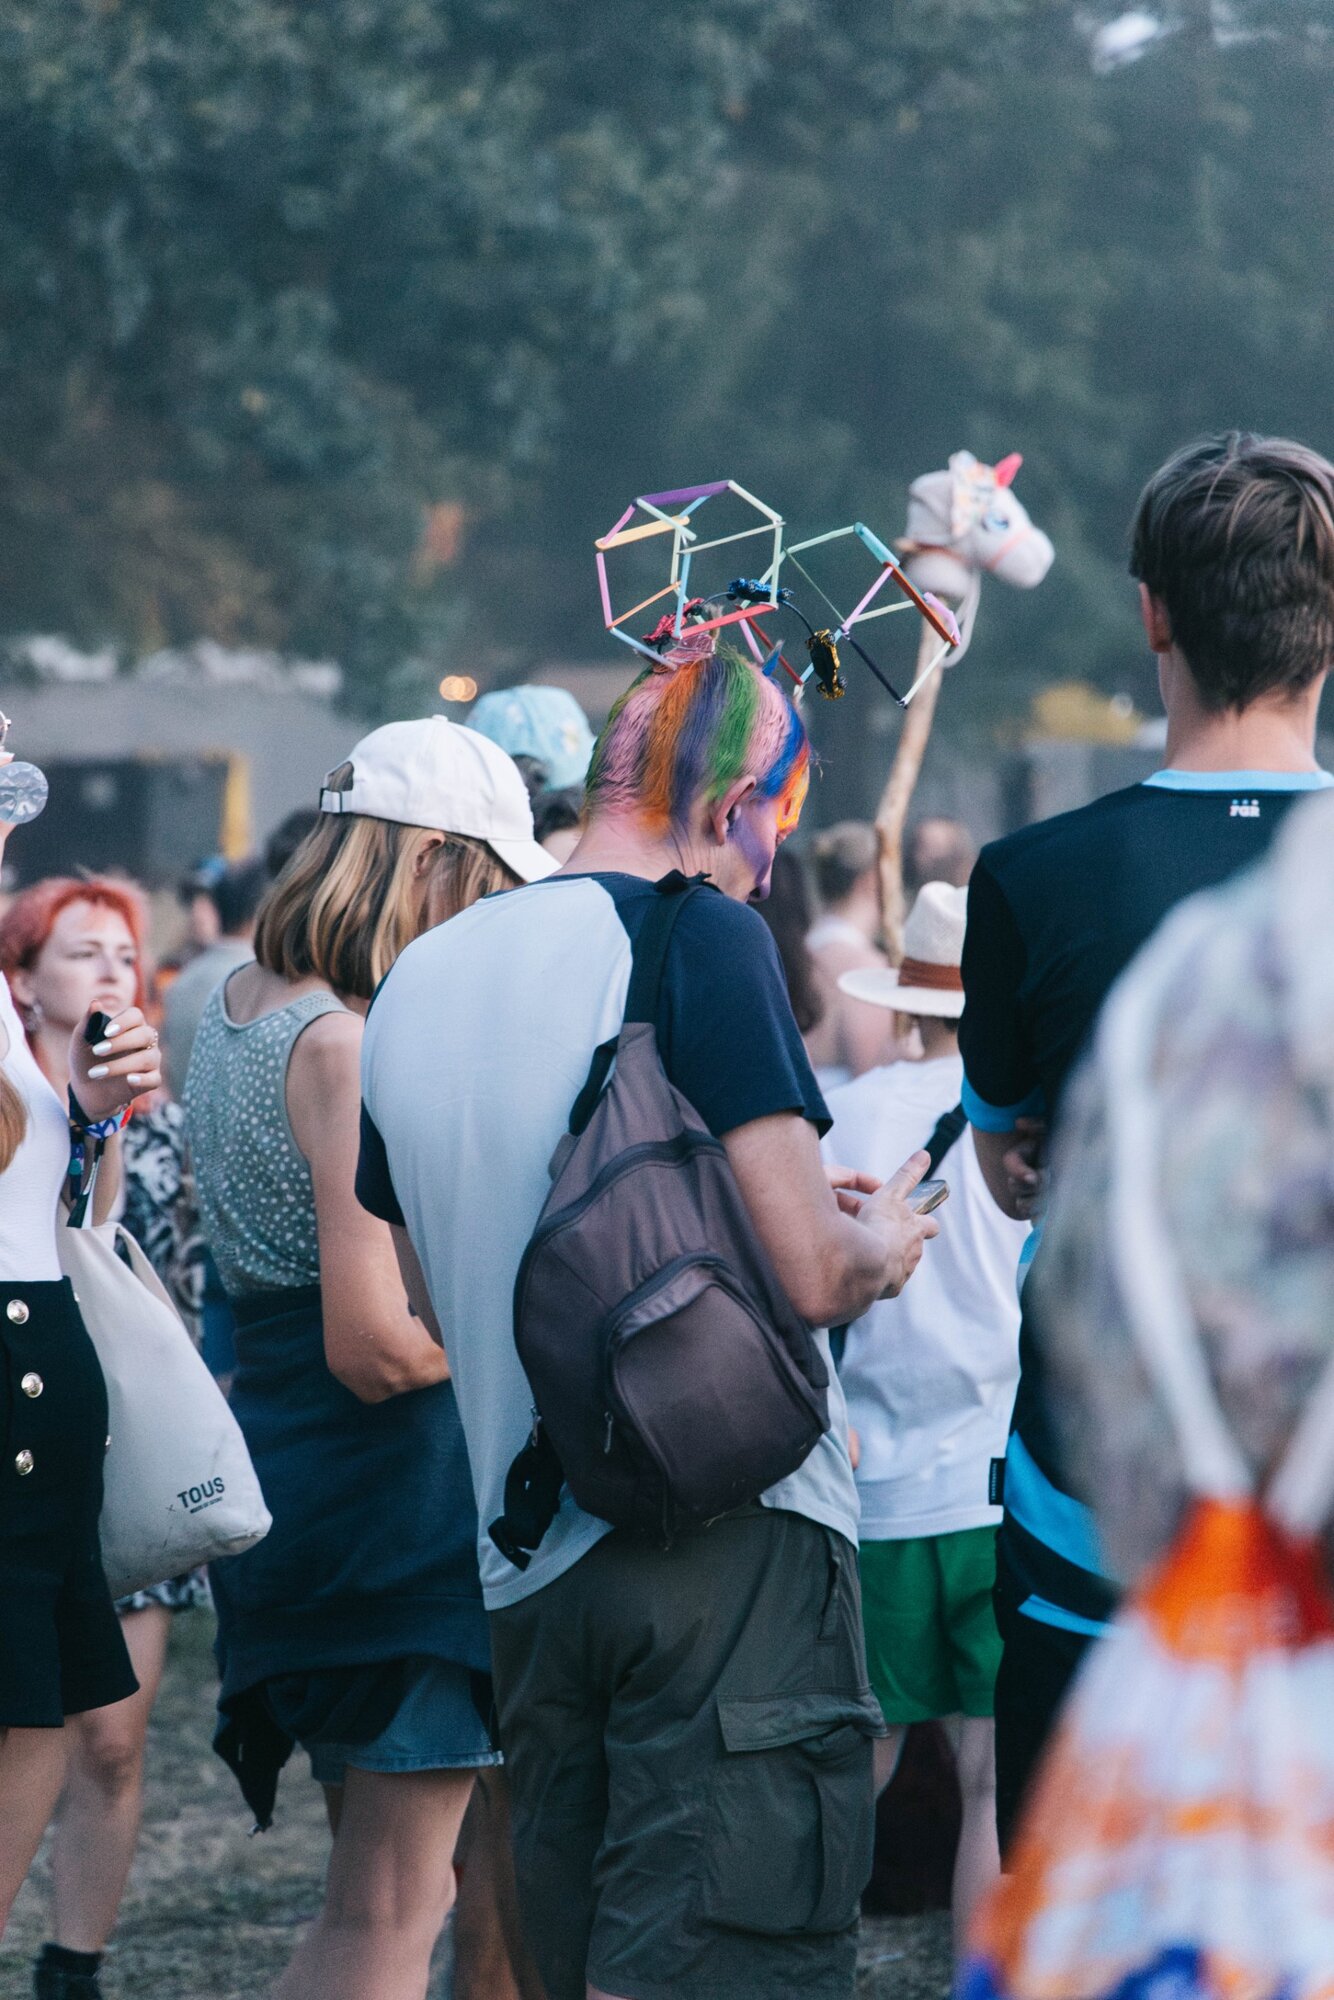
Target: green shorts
<point x="932" y="1645"/>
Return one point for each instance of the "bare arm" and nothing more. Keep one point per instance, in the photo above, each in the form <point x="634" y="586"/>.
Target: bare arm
<point x="991" y="1148"/>
<point x="832" y="1264"/>
<point x="1014" y="1167"/>
<point x="865" y="1034"/>
<point x="868" y="1034"/>
<point x="372" y="1342"/>
<point x="107" y="1186"/>
<point x="414" y="1282"/>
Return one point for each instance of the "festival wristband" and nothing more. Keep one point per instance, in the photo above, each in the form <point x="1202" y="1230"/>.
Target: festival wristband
<point x="97" y="1128"/>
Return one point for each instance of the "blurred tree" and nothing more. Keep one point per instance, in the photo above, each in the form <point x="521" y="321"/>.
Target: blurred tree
<point x="276" y="281"/>
<point x="281" y="288"/>
<point x="978" y="240"/>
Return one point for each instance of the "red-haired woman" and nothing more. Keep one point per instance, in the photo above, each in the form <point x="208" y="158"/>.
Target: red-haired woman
<point x="68" y="946"/>
<point x="61" y="1648"/>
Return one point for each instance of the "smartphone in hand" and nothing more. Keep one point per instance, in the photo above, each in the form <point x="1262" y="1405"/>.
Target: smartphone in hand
<point x="928" y="1195"/>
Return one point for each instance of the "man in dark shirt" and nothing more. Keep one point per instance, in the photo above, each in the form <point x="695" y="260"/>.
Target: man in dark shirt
<point x="1234" y="552"/>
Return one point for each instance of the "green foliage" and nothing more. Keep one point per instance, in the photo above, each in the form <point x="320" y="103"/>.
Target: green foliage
<point x="1003" y="249"/>
<point x="277" y="279"/>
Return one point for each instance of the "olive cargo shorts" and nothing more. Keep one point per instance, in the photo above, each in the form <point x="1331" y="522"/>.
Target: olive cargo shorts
<point x="687" y="1735"/>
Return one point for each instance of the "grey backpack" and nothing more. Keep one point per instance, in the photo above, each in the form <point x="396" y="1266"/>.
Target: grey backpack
<point x="672" y="1379"/>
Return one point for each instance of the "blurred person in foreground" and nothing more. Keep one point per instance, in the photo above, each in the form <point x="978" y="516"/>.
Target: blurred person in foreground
<point x="547" y="734"/>
<point x="557" y="818"/>
<point x="655" y="1853"/>
<point x="1233" y="548"/>
<point x="788" y="912"/>
<point x="236" y="897"/>
<point x="203" y="924"/>
<point x="286" y="837"/>
<point x="62" y="1650"/>
<point x="69" y="945"/>
<point x="937" y="849"/>
<point x="1241" y="1040"/>
<point x="355" y="1627"/>
<point x="850" y="1036"/>
<point x="929" y="1379"/>
<point x="544" y="725"/>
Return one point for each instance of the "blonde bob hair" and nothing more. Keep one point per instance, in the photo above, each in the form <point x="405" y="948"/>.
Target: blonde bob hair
<point x="13" y="1121"/>
<point x="351" y="898"/>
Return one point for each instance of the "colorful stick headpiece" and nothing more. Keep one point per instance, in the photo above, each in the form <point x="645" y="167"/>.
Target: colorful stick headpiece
<point x="681" y="636"/>
<point x="684" y="503"/>
<point x="823" y="644"/>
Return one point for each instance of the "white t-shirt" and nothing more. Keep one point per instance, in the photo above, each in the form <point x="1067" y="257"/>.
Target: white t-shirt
<point x="477" y="1045"/>
<point x="30" y="1186"/>
<point x="930" y="1376"/>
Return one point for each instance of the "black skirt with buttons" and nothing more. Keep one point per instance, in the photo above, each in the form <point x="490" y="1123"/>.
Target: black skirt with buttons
<point x="61" y="1649"/>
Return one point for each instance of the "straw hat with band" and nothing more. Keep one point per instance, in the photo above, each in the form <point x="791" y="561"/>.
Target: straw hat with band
<point x="435" y="773"/>
<point x="929" y="980"/>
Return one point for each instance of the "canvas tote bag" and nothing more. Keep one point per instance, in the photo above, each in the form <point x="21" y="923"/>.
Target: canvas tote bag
<point x="179" y="1489"/>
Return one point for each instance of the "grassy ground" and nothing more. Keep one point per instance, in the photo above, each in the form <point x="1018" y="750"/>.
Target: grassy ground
<point x="213" y="1915"/>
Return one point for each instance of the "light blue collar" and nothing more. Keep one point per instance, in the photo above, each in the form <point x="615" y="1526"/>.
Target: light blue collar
<point x="1237" y="781"/>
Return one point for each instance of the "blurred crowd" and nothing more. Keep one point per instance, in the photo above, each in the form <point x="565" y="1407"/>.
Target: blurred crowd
<point x="633" y="1765"/>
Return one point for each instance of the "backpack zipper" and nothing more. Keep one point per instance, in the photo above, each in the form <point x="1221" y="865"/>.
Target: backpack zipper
<point x="679" y="1150"/>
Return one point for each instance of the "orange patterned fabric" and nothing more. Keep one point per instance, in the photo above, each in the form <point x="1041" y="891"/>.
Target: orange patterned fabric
<point x="1184" y="1820"/>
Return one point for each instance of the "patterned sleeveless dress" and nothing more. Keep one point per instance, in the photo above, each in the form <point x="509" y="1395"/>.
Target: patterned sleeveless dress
<point x="361" y="1609"/>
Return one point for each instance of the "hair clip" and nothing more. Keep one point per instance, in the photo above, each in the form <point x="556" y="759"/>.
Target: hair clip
<point x="696" y="643"/>
<point x="754" y="590"/>
<point x="822" y="645"/>
<point x="825" y="664"/>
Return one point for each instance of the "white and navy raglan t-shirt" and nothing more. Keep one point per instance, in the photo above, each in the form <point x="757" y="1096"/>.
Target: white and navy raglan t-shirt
<point x="1055" y="914"/>
<point x="478" y="1043"/>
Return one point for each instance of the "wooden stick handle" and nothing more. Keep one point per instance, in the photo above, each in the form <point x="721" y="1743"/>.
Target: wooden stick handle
<point x="897" y="796"/>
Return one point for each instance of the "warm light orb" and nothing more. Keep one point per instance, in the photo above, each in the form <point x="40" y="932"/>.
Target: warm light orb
<point x="458" y="687"/>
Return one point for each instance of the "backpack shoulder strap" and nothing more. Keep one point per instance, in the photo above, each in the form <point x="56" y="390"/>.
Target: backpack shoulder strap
<point x="648" y="963"/>
<point x="948" y="1128"/>
<point x="671" y="895"/>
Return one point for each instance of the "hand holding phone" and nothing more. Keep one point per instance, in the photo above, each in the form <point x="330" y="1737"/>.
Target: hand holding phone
<point x="894" y="1214"/>
<point x="928" y="1195"/>
<point x="113" y="1062"/>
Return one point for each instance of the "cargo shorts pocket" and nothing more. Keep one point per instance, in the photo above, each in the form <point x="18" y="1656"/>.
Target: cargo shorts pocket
<point x="791" y="1820"/>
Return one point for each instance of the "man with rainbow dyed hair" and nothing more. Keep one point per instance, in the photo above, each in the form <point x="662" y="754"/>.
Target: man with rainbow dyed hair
<point x="702" y="731"/>
<point x="688" y="1730"/>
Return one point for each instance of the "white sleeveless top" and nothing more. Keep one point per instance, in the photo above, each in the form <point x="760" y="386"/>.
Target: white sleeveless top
<point x="30" y="1185"/>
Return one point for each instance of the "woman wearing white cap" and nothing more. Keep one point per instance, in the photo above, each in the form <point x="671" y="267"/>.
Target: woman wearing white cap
<point x="929" y="1379"/>
<point x="356" y="1627"/>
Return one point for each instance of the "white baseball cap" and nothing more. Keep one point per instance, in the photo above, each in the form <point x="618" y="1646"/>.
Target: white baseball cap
<point x="435" y="773"/>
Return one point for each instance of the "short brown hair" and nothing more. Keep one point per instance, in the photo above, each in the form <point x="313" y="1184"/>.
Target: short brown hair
<point x="842" y="854"/>
<point x="350" y="899"/>
<point x="946" y="857"/>
<point x="1235" y="537"/>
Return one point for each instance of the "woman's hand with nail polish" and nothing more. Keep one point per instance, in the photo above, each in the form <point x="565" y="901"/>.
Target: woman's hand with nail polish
<point x="122" y="1065"/>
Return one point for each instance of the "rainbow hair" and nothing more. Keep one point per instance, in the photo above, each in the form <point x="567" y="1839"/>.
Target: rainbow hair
<point x="684" y="733"/>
